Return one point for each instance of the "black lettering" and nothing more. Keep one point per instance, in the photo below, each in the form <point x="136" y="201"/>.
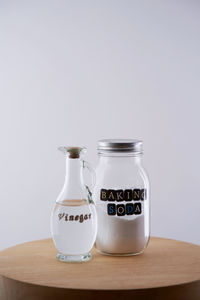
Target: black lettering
<point x="103" y="195"/>
<point x="121" y="210"/>
<point x="136" y="194"/>
<point x="119" y="195"/>
<point x="128" y="195"/>
<point x="137" y="208"/>
<point x="143" y="194"/>
<point x="129" y="209"/>
<point x="111" y="195"/>
<point x="60" y="216"/>
<point x="111" y="209"/>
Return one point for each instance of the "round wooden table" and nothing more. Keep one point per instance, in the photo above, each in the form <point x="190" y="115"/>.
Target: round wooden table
<point x="168" y="269"/>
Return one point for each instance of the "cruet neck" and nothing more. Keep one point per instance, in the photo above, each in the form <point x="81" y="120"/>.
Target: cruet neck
<point x="74" y="165"/>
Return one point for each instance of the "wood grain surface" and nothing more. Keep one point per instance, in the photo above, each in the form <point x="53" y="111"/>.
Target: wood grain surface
<point x="166" y="266"/>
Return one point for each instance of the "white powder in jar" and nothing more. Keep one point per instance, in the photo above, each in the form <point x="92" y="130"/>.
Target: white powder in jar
<point x="120" y="235"/>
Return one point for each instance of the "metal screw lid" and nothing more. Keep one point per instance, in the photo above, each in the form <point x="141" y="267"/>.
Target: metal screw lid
<point x="120" y="145"/>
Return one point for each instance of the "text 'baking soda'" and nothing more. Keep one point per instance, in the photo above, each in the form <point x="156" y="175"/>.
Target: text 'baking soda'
<point x="123" y="195"/>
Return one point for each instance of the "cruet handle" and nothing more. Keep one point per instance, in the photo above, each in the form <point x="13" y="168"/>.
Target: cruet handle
<point x="86" y="165"/>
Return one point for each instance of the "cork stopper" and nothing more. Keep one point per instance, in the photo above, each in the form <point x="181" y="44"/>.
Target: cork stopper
<point x="72" y="152"/>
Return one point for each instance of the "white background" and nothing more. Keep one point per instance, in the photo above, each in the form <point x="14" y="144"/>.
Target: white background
<point x="73" y="72"/>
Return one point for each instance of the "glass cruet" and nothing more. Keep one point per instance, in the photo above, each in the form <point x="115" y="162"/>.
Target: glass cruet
<point x="74" y="219"/>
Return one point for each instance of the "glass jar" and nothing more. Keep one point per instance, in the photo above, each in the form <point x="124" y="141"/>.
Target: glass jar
<point x="121" y="196"/>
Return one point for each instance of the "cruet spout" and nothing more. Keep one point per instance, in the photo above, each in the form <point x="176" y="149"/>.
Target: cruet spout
<point x="72" y="152"/>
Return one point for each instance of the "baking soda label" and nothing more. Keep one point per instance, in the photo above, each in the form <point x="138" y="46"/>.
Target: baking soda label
<point x="134" y="197"/>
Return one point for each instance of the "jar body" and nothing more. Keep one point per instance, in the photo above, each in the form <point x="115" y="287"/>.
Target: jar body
<point x="121" y="196"/>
